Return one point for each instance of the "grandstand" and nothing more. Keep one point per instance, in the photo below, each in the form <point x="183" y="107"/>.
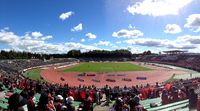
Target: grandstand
<point x="152" y="97"/>
<point x="186" y="60"/>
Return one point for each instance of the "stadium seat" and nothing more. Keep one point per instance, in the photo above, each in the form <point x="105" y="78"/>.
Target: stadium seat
<point x="146" y="103"/>
<point x="171" y="106"/>
<point x="4" y="100"/>
<point x="183" y="109"/>
<point x="77" y="103"/>
<point x="18" y="90"/>
<point x="5" y="88"/>
<point x="177" y="107"/>
<point x="37" y="97"/>
<point x="3" y="105"/>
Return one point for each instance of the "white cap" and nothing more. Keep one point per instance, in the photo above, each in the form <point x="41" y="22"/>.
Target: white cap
<point x="70" y="99"/>
<point x="63" y="107"/>
<point x="59" y="97"/>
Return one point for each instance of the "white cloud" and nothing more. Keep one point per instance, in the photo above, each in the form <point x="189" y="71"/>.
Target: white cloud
<point x="172" y="28"/>
<point x="130" y="26"/>
<point x="184" y="47"/>
<point x="79" y="46"/>
<point x="7" y="37"/>
<point x="190" y="39"/>
<point x="158" y="7"/>
<point x="77" y="28"/>
<point x="171" y="44"/>
<point x="82" y="40"/>
<point x="91" y="36"/>
<point x="193" y="22"/>
<point x="47" y="37"/>
<point x="37" y="42"/>
<point x="36" y="34"/>
<point x="123" y="33"/>
<point x="118" y="42"/>
<point x="28" y="42"/>
<point x="146" y="42"/>
<point x="34" y="42"/>
<point x="66" y="15"/>
<point x="103" y="43"/>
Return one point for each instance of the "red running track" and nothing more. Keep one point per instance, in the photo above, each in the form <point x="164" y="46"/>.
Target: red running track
<point x="158" y="74"/>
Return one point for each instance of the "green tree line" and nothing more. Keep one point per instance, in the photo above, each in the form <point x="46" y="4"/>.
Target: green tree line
<point x="72" y="53"/>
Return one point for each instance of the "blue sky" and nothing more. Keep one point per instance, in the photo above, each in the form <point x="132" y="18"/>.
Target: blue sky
<point x="52" y="26"/>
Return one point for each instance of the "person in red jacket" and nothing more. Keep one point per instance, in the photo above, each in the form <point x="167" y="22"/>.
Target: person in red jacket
<point x="75" y="95"/>
<point x="146" y="92"/>
<point x="143" y="94"/>
<point x="168" y="86"/>
<point x="82" y="94"/>
<point x="71" y="93"/>
<point x="50" y="104"/>
<point x="152" y="92"/>
<point x="91" y="94"/>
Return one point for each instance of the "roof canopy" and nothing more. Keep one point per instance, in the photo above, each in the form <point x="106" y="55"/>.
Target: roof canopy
<point x="174" y="52"/>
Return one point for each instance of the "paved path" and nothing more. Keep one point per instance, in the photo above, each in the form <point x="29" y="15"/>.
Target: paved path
<point x="102" y="106"/>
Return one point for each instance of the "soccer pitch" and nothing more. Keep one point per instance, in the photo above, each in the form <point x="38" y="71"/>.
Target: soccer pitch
<point x="34" y="74"/>
<point x="106" y="67"/>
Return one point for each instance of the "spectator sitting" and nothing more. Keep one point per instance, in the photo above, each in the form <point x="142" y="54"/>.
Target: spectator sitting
<point x="125" y="107"/>
<point x="17" y="103"/>
<point x="182" y="94"/>
<point x="97" y="97"/>
<point x="87" y="104"/>
<point x="64" y="108"/>
<point x="69" y="103"/>
<point x="50" y="105"/>
<point x="133" y="102"/>
<point x="31" y="104"/>
<point x="118" y="105"/>
<point x="1" y="87"/>
<point x="174" y="94"/>
<point x="137" y="103"/>
<point x="43" y="102"/>
<point x="58" y="104"/>
<point x="107" y="93"/>
<point x="11" y="89"/>
<point x="164" y="97"/>
<point x="192" y="99"/>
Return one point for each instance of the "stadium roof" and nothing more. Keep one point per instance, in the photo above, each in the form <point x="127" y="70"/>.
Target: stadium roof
<point x="174" y="52"/>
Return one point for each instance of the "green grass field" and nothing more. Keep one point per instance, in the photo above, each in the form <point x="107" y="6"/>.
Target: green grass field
<point x="34" y="74"/>
<point x="106" y="67"/>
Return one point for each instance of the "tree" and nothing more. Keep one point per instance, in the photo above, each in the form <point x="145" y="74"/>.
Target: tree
<point x="74" y="53"/>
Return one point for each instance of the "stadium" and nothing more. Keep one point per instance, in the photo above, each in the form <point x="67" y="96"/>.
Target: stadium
<point x="99" y="55"/>
<point x="94" y="75"/>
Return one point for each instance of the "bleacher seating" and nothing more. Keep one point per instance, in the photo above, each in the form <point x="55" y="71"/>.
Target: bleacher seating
<point x="171" y="106"/>
<point x="190" y="61"/>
